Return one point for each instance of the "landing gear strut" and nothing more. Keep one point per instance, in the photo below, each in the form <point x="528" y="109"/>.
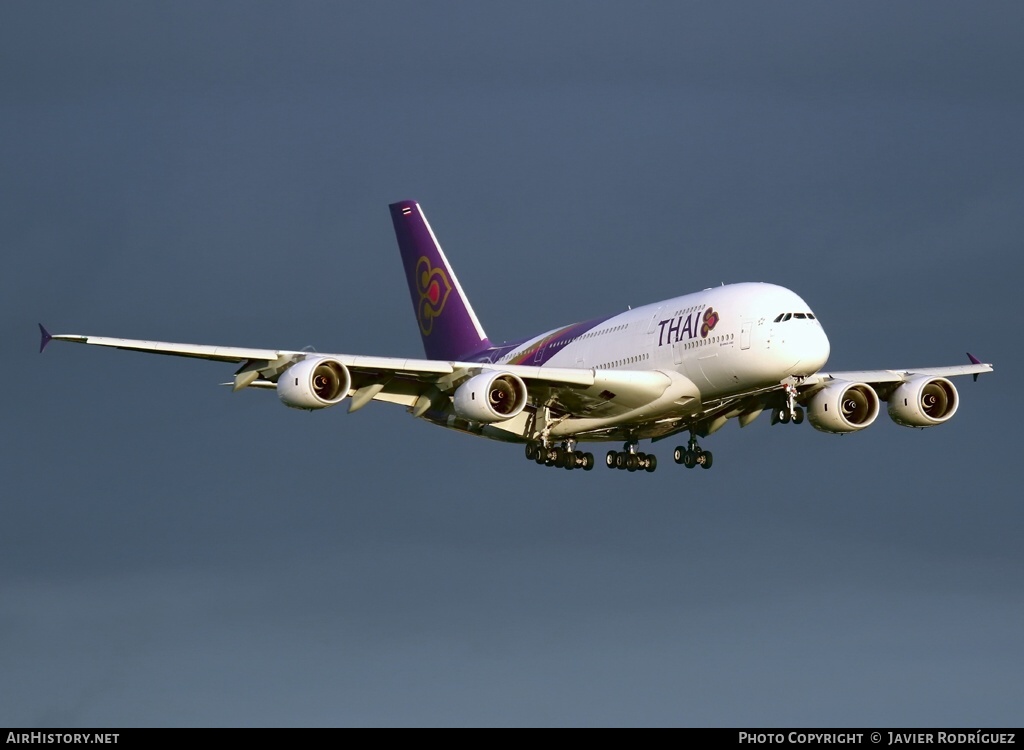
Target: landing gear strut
<point x="788" y="412"/>
<point x="693" y="455"/>
<point x="630" y="459"/>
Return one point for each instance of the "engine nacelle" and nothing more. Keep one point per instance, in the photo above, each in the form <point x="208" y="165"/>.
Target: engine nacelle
<point x="314" y="383"/>
<point x="490" y="397"/>
<point x="843" y="407"/>
<point x="923" y="402"/>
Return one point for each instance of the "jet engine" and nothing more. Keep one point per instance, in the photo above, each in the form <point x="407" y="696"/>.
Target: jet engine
<point x="843" y="407"/>
<point x="490" y="397"/>
<point x="314" y="383"/>
<point x="923" y="402"/>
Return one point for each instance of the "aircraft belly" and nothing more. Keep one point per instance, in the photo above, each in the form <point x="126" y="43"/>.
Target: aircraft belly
<point x="681" y="401"/>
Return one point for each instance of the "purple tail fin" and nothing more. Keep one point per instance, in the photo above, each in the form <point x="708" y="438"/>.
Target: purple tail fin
<point x="448" y="325"/>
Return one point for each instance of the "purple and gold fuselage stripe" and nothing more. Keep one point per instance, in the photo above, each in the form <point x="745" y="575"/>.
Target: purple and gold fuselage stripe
<point x="552" y="343"/>
<point x="528" y="354"/>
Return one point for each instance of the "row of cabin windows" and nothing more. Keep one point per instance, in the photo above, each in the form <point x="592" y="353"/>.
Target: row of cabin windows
<point x="710" y="340"/>
<point x="691" y="345"/>
<point x="592" y="334"/>
<point x="626" y="361"/>
<point x="599" y="333"/>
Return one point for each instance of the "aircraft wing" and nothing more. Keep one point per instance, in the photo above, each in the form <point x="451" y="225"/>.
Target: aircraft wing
<point x="422" y="384"/>
<point x="883" y="377"/>
<point x="261" y="367"/>
<point x="199" y="351"/>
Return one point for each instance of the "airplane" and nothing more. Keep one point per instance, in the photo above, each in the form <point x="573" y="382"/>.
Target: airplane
<point x="683" y="365"/>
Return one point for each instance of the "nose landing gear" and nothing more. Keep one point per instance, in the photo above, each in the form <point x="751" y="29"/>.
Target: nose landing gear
<point x="788" y="412"/>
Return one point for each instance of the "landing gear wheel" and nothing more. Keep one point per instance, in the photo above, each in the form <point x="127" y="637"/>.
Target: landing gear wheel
<point x="652" y="462"/>
<point x="705" y="459"/>
<point x="531" y="451"/>
<point x="620" y="460"/>
<point x="689" y="459"/>
<point x="610" y="459"/>
<point x="679" y="454"/>
<point x="782" y="415"/>
<point x="798" y="415"/>
<point x="632" y="462"/>
<point x="588" y="461"/>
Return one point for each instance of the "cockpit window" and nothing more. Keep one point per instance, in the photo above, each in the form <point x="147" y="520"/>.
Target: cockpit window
<point x="783" y="317"/>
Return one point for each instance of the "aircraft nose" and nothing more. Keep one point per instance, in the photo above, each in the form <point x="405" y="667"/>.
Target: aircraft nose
<point x="818" y="349"/>
<point x="809" y="347"/>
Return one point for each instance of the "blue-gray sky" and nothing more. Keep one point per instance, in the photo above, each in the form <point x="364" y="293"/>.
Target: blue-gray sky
<point x="175" y="554"/>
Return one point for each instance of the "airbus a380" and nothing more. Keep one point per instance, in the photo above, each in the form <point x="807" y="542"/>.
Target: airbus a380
<point x="686" y="365"/>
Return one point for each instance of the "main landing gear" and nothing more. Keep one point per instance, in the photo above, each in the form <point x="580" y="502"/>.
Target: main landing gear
<point x="630" y="459"/>
<point x="693" y="455"/>
<point x="563" y="457"/>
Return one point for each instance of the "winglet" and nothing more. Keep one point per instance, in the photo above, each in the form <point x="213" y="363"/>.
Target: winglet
<point x="46" y="338"/>
<point x="974" y="361"/>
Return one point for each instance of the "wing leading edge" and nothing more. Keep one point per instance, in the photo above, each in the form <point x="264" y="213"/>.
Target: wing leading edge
<point x="198" y="351"/>
<point x="880" y="377"/>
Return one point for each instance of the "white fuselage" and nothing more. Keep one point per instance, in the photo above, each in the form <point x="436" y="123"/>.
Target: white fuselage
<point x="726" y="340"/>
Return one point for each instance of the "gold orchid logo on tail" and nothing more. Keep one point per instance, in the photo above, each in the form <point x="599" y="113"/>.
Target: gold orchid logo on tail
<point x="434" y="288"/>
